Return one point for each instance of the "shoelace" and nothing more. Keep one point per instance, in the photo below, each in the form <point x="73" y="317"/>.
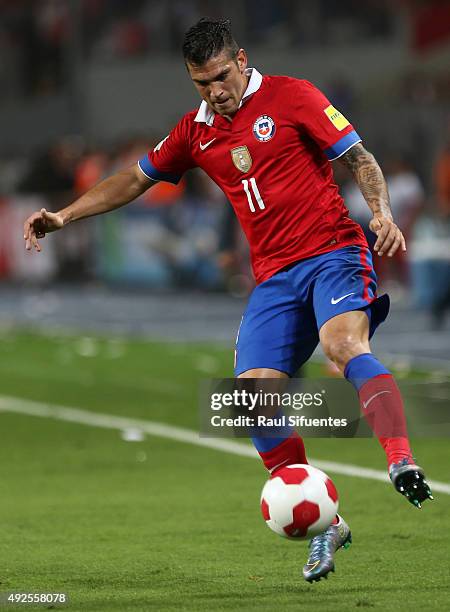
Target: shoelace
<point x="318" y="546"/>
<point x="404" y="461"/>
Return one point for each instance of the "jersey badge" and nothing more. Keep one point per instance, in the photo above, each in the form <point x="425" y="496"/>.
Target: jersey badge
<point x="336" y="118"/>
<point x="241" y="158"/>
<point x="264" y="128"/>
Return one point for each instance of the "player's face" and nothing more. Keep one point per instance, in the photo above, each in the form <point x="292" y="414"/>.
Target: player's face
<point x="221" y="81"/>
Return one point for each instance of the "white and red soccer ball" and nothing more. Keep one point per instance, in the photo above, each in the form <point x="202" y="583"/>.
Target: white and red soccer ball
<point x="299" y="502"/>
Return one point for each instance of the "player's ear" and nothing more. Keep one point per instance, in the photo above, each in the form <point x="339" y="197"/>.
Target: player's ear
<point x="241" y="60"/>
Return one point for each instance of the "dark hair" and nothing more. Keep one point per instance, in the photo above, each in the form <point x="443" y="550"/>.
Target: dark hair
<point x="206" y="39"/>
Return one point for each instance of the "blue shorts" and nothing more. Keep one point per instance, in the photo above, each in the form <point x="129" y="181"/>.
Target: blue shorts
<point x="280" y="326"/>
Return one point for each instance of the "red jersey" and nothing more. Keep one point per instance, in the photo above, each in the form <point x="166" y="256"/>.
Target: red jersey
<point x="272" y="162"/>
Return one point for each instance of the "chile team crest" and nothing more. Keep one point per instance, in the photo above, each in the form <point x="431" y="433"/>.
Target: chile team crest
<point x="264" y="128"/>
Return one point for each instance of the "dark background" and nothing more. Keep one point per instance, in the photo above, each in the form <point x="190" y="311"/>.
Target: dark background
<point x="86" y="87"/>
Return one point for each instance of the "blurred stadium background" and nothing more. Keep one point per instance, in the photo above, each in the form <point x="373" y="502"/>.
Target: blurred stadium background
<point x="86" y="87"/>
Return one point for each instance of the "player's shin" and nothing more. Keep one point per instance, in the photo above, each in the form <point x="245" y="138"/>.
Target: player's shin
<point x="276" y="441"/>
<point x="381" y="403"/>
<point x="285" y="448"/>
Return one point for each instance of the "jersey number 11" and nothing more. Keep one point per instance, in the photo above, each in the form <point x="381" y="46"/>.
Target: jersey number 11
<point x="256" y="193"/>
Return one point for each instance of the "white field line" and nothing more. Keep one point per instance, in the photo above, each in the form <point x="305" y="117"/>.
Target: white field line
<point x="109" y="421"/>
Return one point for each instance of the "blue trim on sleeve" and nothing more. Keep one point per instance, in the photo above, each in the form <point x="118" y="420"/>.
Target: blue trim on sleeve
<point x="342" y="145"/>
<point x="156" y="175"/>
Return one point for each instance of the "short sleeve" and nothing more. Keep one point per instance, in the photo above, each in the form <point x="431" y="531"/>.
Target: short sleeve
<point x="322" y="121"/>
<point x="170" y="159"/>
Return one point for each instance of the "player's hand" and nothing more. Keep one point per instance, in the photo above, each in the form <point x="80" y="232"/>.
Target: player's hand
<point x="38" y="224"/>
<point x="389" y="236"/>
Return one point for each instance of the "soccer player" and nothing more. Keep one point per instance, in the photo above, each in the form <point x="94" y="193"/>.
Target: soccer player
<point x="267" y="141"/>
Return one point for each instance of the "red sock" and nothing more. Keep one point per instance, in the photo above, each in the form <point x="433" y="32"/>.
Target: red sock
<point x="289" y="451"/>
<point x="396" y="449"/>
<point x="382" y="405"/>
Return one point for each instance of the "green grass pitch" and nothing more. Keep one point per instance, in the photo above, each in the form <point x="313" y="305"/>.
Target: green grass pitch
<point x="164" y="525"/>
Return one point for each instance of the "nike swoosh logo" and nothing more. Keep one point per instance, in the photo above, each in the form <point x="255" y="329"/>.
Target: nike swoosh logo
<point x="365" y="404"/>
<point x="333" y="301"/>
<point x="277" y="466"/>
<point x="312" y="566"/>
<point x="204" y="146"/>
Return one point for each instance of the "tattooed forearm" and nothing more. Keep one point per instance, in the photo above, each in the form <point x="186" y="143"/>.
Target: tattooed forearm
<point x="367" y="173"/>
<point x="370" y="179"/>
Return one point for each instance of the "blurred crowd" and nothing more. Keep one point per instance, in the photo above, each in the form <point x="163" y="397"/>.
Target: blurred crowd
<point x="169" y="237"/>
<point x="38" y="39"/>
<point x="187" y="235"/>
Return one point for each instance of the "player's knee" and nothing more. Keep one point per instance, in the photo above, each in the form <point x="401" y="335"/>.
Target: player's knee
<point x="340" y="349"/>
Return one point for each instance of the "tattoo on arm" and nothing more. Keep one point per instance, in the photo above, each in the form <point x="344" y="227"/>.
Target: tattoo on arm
<point x="369" y="177"/>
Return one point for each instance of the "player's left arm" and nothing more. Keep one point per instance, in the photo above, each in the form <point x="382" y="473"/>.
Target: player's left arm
<point x="369" y="177"/>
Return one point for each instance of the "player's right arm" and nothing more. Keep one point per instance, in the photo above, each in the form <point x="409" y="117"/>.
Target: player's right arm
<point x="112" y="193"/>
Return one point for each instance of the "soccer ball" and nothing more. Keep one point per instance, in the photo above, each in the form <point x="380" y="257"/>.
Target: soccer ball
<point x="299" y="502"/>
